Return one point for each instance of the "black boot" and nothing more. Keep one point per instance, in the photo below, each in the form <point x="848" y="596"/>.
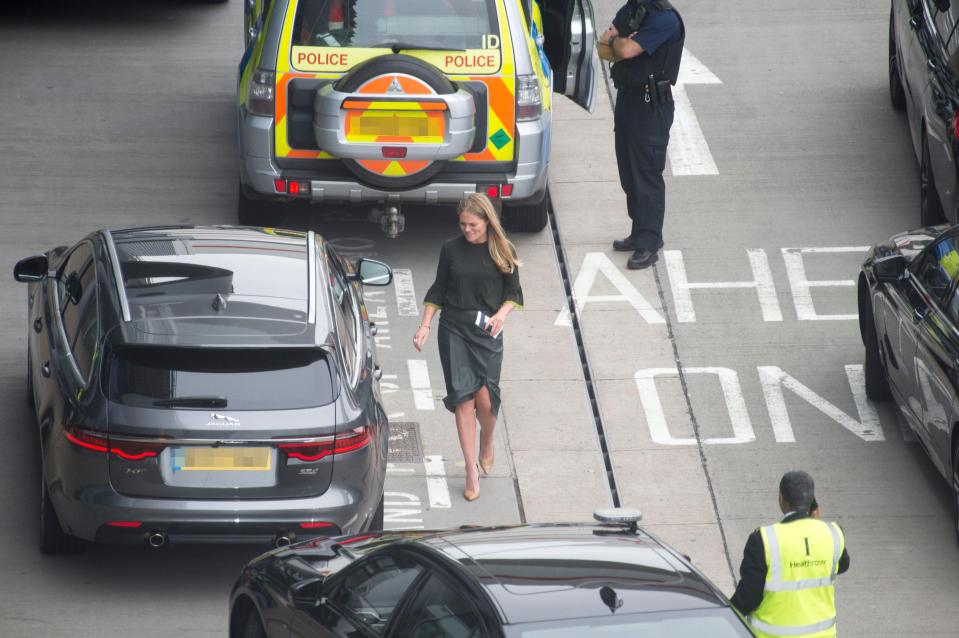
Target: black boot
<point x="624" y="245"/>
<point x="642" y="259"/>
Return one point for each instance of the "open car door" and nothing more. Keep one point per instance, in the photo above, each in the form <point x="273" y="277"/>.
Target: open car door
<point x="571" y="48"/>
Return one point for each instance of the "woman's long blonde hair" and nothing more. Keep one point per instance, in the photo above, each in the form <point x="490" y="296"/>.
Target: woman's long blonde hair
<point x="501" y="249"/>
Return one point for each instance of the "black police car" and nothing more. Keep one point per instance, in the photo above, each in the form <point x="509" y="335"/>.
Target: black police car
<point x="532" y="581"/>
<point x="924" y="81"/>
<point x="909" y="320"/>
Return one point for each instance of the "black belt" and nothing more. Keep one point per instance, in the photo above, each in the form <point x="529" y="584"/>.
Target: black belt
<point x="661" y="91"/>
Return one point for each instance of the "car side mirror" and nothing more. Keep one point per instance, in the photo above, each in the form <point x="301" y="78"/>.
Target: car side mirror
<point x="307" y="594"/>
<point x="889" y="268"/>
<point x="374" y="273"/>
<point x="31" y="269"/>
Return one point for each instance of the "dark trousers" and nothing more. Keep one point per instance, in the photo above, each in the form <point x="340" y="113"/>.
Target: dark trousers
<point x="642" y="134"/>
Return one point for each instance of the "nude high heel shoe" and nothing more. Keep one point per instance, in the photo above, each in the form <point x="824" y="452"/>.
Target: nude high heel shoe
<point x="472" y="495"/>
<point x="486" y="466"/>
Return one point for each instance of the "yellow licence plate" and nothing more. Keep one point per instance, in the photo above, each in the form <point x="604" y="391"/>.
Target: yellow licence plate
<point x="372" y="124"/>
<point x="222" y="458"/>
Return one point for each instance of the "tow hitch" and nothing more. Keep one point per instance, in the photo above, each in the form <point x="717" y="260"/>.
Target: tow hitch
<point x="391" y="220"/>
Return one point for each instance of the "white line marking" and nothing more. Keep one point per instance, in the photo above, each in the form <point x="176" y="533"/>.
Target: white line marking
<point x="436" y="486"/>
<point x="688" y="151"/>
<point x="395" y="415"/>
<point x="801" y="285"/>
<point x="593" y="264"/>
<point x="405" y="292"/>
<point x="773" y="379"/>
<point x="420" y="384"/>
<point x="392" y="469"/>
<point x="762" y="281"/>
<point x="399" y="507"/>
<point x="656" y="418"/>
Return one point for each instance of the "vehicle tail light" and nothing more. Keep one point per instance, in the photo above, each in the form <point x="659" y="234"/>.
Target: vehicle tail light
<point x="492" y="191"/>
<point x="529" y="100"/>
<point x="506" y="190"/>
<point x="335" y="18"/>
<point x="259" y="99"/>
<point x="127" y="524"/>
<point x="316" y="525"/>
<point x="295" y="187"/>
<point x="955" y="124"/>
<point x="315" y="450"/>
<point x="394" y="152"/>
<point x="100" y="442"/>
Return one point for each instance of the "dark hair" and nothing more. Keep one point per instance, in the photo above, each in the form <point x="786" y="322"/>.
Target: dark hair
<point x="798" y="490"/>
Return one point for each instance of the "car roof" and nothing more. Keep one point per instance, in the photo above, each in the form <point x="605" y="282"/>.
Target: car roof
<point x="538" y="573"/>
<point x="218" y="286"/>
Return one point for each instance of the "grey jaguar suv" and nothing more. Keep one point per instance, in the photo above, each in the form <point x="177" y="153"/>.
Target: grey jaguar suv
<point x="204" y="384"/>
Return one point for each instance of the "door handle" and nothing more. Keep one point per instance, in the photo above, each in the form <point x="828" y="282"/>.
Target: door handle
<point x="918" y="314"/>
<point x="373" y="329"/>
<point x="914" y="21"/>
<point x="45" y="369"/>
<point x="931" y="65"/>
<point x="377" y="372"/>
<point x="37" y="324"/>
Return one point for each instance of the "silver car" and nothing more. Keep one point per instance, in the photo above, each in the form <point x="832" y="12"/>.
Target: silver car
<point x="204" y="384"/>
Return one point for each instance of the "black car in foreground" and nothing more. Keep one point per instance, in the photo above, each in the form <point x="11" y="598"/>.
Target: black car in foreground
<point x="531" y="581"/>
<point x="924" y="81"/>
<point x="203" y="384"/>
<point x="909" y="321"/>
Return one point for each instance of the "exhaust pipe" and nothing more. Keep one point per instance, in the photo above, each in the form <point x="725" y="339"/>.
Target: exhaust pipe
<point x="156" y="540"/>
<point x="281" y="540"/>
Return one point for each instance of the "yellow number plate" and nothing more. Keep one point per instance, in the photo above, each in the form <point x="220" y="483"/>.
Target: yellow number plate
<point x="395" y="126"/>
<point x="222" y="458"/>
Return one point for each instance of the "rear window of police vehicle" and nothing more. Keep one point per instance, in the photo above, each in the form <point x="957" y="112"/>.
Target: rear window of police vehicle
<point x="463" y="29"/>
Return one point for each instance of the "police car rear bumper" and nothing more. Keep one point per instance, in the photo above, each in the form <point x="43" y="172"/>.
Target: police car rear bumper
<point x="259" y="171"/>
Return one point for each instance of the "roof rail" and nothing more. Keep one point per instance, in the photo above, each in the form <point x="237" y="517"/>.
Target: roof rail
<point x="311" y="268"/>
<point x="117" y="274"/>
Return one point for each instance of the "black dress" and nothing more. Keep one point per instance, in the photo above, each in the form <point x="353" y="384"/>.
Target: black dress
<point x="468" y="281"/>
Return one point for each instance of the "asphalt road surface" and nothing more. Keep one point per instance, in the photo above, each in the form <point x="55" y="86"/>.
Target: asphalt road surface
<point x="786" y="161"/>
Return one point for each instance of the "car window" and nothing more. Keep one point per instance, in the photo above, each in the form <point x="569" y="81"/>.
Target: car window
<point x="346" y="313"/>
<point x="77" y="294"/>
<point x="447" y="24"/>
<point x="938" y="268"/>
<point x="370" y="592"/>
<point x="439" y="611"/>
<point x="251" y="379"/>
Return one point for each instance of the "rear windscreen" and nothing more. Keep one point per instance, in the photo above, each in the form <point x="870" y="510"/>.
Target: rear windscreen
<point x="443" y="24"/>
<point x="273" y="379"/>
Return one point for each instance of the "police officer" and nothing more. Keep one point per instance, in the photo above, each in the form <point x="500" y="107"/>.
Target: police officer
<point x="789" y="569"/>
<point x="645" y="45"/>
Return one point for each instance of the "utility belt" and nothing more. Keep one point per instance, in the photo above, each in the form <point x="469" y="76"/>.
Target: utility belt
<point x="656" y="91"/>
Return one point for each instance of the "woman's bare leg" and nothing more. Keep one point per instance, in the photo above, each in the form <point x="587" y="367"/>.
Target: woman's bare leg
<point x="484" y="412"/>
<point x="466" y="428"/>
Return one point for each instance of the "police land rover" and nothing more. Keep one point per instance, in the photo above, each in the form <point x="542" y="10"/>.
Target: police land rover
<point x="382" y="103"/>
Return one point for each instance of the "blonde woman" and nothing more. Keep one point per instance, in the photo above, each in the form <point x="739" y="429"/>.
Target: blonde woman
<point x="477" y="286"/>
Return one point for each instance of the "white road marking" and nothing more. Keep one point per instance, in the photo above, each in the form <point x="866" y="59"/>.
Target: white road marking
<point x="801" y="285"/>
<point x="395" y="415"/>
<point x="388" y="385"/>
<point x="436" y="486"/>
<point x="656" y="418"/>
<point x="773" y="379"/>
<point x="593" y="264"/>
<point x="400" y="510"/>
<point x="420" y="384"/>
<point x="405" y="292"/>
<point x="762" y="281"/>
<point x="392" y="469"/>
<point x="688" y="151"/>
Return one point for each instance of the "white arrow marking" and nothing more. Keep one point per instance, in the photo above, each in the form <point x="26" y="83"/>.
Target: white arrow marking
<point x="688" y="151"/>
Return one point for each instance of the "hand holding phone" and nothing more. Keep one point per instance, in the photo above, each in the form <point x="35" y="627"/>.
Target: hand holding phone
<point x="493" y="325"/>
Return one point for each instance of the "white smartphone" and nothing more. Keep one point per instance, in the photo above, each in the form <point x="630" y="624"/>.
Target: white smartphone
<point x="481" y="319"/>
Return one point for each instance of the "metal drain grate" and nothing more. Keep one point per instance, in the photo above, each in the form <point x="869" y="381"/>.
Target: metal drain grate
<point x="405" y="443"/>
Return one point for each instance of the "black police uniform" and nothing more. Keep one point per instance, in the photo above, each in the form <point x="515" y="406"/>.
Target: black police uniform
<point x="643" y="116"/>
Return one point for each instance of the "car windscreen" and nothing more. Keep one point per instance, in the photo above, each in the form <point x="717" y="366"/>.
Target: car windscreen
<point x="698" y="623"/>
<point x="443" y="24"/>
<point x="242" y="379"/>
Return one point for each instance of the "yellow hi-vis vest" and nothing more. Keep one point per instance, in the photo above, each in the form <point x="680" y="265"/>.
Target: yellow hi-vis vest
<point x="802" y="562"/>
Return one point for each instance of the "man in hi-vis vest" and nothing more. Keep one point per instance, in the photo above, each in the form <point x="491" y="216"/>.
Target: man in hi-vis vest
<point x="787" y="581"/>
